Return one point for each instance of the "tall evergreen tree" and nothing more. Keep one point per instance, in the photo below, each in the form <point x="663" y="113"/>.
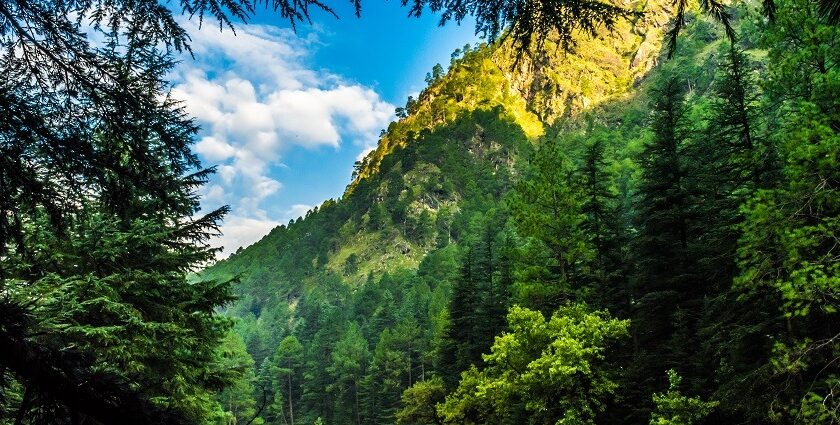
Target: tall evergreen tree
<point x="665" y="287"/>
<point x="349" y="365"/>
<point x="603" y="226"/>
<point x="238" y="399"/>
<point x="458" y="349"/>
<point x="97" y="236"/>
<point x="286" y="364"/>
<point x="546" y="207"/>
<point x="386" y="380"/>
<point x="730" y="161"/>
<point x="498" y="297"/>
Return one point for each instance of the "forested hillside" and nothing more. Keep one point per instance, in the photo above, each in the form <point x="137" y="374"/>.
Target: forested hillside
<point x="571" y="238"/>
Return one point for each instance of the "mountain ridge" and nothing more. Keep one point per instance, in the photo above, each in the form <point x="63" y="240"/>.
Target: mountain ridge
<point x="518" y="91"/>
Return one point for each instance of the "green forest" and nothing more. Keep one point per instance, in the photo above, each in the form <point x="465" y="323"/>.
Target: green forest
<point x="607" y="213"/>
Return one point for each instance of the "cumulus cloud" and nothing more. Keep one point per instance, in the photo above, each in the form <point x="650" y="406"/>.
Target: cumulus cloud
<point x="256" y="97"/>
<point x="214" y="194"/>
<point x="240" y="231"/>
<point x="214" y="149"/>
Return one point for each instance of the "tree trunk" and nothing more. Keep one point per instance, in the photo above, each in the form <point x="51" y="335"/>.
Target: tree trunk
<point x="291" y="408"/>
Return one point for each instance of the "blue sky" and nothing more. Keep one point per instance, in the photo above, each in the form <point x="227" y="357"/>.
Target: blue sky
<point x="284" y="115"/>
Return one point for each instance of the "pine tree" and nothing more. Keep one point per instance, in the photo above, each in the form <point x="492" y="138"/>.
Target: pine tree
<point x="498" y="297"/>
<point x="603" y="228"/>
<point x="286" y="364"/>
<point x="238" y="398"/>
<point x="664" y="285"/>
<point x="546" y="206"/>
<point x="386" y="380"/>
<point x="458" y="349"/>
<point x="730" y="161"/>
<point x="349" y="364"/>
<point x="97" y="236"/>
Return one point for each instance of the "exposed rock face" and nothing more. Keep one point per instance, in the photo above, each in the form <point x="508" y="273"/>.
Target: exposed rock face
<point x="555" y="84"/>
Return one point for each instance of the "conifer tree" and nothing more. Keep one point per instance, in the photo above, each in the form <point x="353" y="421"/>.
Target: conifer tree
<point x="546" y="206"/>
<point x="349" y="364"/>
<point x="97" y="237"/>
<point x="730" y="161"/>
<point x="286" y="370"/>
<point x="458" y="349"/>
<point x="238" y="399"/>
<point x="664" y="285"/>
<point x="603" y="229"/>
<point x="498" y="296"/>
<point x="386" y="380"/>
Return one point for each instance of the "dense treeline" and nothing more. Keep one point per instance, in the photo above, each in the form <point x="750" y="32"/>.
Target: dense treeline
<point x="666" y="258"/>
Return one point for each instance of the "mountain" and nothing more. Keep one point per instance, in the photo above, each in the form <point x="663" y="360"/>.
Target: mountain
<point x="550" y="237"/>
<point x="484" y="85"/>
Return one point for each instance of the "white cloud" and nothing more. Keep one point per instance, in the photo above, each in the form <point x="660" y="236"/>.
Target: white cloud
<point x="215" y="194"/>
<point x="239" y="231"/>
<point x="227" y="173"/>
<point x="265" y="187"/>
<point x="214" y="149"/>
<point x="256" y="97"/>
<point x="297" y="211"/>
<point x="365" y="152"/>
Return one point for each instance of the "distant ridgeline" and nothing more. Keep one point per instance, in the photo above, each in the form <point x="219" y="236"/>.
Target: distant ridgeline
<point x="596" y="237"/>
